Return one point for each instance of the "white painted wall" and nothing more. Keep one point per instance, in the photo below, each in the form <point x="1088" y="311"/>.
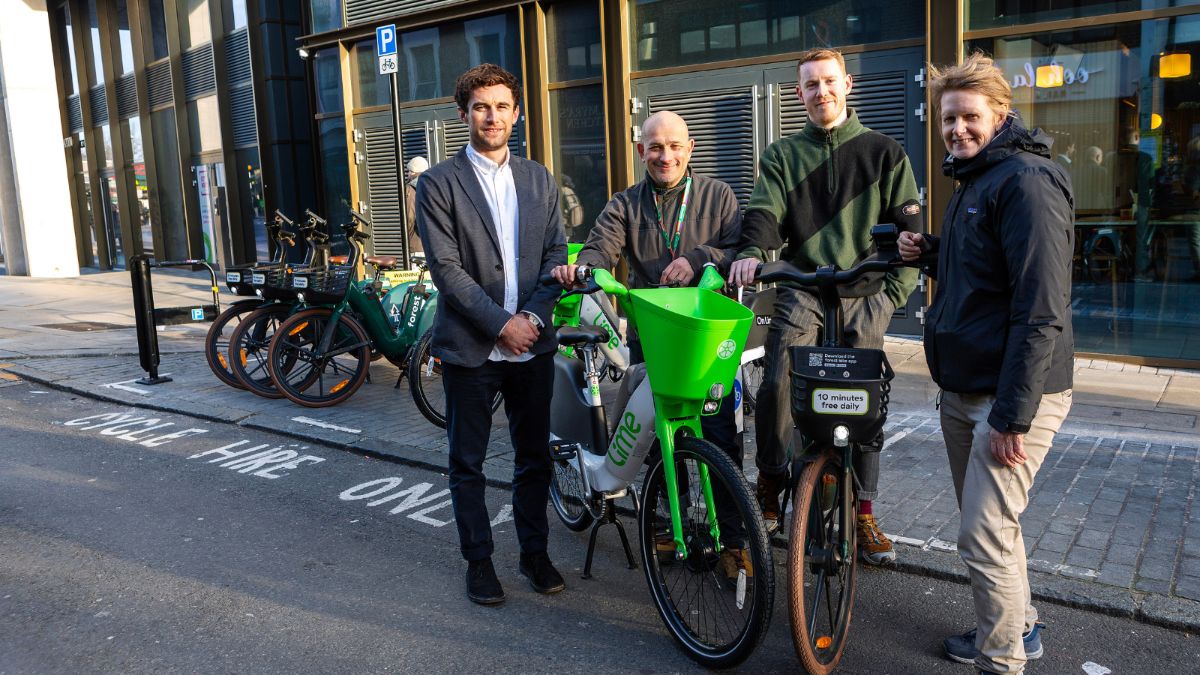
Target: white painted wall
<point x="37" y="180"/>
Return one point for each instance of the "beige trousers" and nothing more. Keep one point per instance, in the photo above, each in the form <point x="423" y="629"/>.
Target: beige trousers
<point x="991" y="498"/>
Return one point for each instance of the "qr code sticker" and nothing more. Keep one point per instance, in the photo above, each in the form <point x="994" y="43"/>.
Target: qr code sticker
<point x="815" y="360"/>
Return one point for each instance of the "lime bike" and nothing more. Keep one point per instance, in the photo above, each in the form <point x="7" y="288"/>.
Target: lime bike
<point x="593" y="309"/>
<point x="839" y="402"/>
<point x="704" y="547"/>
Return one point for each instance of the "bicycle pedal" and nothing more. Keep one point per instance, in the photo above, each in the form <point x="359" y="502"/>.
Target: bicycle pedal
<point x="616" y="494"/>
<point x="562" y="452"/>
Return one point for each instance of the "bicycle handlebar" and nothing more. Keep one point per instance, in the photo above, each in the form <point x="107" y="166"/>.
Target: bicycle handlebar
<point x="314" y="219"/>
<point x="784" y="271"/>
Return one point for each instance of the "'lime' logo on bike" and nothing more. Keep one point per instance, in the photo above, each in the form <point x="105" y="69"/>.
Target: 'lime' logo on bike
<point x="601" y="321"/>
<point x="726" y="349"/>
<point x="624" y="440"/>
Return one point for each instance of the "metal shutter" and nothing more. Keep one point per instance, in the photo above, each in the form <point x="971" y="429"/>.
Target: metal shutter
<point x="414" y="142"/>
<point x="455" y="135"/>
<point x="721" y="122"/>
<point x="158" y="84"/>
<point x="75" y="114"/>
<point x="127" y="105"/>
<point x="241" y="89"/>
<point x="199" y="78"/>
<point x="237" y="56"/>
<point x="878" y="99"/>
<point x="98" y="104"/>
<point x="358" y="11"/>
<point x="383" y="184"/>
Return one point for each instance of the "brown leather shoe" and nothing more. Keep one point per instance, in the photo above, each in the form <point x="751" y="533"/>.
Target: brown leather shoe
<point x="767" y="490"/>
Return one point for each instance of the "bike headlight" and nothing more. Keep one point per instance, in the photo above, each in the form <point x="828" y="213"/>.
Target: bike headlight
<point x="716" y="392"/>
<point x="711" y="407"/>
<point x="300" y="297"/>
<point x="841" y="436"/>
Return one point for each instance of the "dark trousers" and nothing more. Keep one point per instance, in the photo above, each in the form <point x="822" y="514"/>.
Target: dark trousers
<point x="526" y="387"/>
<point x="797" y="319"/>
<point x="720" y="430"/>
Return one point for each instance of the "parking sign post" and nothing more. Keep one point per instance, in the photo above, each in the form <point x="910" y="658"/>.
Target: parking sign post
<point x="386" y="50"/>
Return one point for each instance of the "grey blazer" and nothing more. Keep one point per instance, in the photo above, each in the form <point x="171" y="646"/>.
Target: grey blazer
<point x="463" y="252"/>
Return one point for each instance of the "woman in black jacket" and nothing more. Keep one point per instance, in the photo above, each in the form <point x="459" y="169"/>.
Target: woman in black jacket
<point x="998" y="341"/>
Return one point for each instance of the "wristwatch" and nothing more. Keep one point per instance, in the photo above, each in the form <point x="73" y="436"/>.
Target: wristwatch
<point x="534" y="319"/>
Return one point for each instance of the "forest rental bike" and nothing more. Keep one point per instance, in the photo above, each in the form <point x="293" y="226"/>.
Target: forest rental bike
<point x="839" y="402"/>
<point x="704" y="547"/>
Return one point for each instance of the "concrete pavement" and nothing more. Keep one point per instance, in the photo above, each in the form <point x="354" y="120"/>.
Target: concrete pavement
<point x="1110" y="524"/>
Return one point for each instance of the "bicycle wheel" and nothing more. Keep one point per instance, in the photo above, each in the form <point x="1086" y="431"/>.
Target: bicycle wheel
<point x="716" y="606"/>
<point x="425" y="382"/>
<point x="315" y="377"/>
<point x="216" y="342"/>
<point x="821" y="567"/>
<point x="248" y="345"/>
<point x="567" y="495"/>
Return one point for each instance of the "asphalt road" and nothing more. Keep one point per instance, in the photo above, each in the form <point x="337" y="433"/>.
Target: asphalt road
<point x="138" y="551"/>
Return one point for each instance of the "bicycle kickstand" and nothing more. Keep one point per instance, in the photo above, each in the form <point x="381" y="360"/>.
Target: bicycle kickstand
<point x="610" y="516"/>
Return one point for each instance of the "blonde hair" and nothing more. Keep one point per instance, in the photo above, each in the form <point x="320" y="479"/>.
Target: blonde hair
<point x="977" y="73"/>
<point x="821" y="54"/>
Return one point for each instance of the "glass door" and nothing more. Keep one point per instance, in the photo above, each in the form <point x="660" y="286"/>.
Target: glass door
<point x="214" y="226"/>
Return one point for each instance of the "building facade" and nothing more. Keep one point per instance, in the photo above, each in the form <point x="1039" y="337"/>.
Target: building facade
<point x="186" y="122"/>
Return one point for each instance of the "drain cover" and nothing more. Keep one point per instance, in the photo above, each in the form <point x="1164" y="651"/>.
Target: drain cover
<point x="84" y="326"/>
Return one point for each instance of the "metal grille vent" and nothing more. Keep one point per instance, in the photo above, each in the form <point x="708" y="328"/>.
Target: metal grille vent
<point x="414" y="143"/>
<point x="75" y="114"/>
<point x="158" y="84"/>
<point x="878" y="99"/>
<point x="127" y="104"/>
<point x="358" y="11"/>
<point x="237" y="56"/>
<point x="199" y="78"/>
<point x="455" y="135"/>
<point x="722" y="124"/>
<point x="241" y="111"/>
<point x="98" y="104"/>
<point x="383" y="185"/>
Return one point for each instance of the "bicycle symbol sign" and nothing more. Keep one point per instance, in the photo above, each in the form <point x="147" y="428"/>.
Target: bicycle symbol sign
<point x="726" y="349"/>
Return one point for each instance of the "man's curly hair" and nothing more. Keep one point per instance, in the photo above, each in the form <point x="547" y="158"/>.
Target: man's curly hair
<point x="484" y="75"/>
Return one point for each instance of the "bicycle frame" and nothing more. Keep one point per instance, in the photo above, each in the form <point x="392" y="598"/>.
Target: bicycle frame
<point x="592" y="312"/>
<point x="645" y="418"/>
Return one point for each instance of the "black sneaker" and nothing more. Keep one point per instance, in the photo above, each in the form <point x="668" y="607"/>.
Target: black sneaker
<point x="961" y="648"/>
<point x="482" y="585"/>
<point x="541" y="573"/>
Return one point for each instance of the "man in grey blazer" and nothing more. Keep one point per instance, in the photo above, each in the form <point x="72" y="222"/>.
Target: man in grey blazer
<point x="491" y="227"/>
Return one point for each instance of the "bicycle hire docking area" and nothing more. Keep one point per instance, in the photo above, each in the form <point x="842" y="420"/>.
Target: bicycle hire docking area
<point x="307" y="326"/>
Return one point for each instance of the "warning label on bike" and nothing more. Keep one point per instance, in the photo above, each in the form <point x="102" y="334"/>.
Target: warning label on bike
<point x="840" y="401"/>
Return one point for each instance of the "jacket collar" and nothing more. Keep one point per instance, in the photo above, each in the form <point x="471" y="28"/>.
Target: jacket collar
<point x="837" y="135"/>
<point x="464" y="171"/>
<point x="1012" y="138"/>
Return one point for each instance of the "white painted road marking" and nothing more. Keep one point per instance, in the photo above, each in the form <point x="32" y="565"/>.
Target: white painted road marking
<point x="325" y="425"/>
<point x="124" y="385"/>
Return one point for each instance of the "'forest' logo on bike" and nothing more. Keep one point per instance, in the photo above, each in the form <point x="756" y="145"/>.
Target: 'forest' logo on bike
<point x="726" y="349"/>
<point x="624" y="440"/>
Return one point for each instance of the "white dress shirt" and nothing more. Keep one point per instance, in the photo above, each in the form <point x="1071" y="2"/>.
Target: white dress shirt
<point x="501" y="194"/>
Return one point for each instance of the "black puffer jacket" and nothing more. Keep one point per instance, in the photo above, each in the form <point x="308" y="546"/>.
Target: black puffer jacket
<point x="1001" y="319"/>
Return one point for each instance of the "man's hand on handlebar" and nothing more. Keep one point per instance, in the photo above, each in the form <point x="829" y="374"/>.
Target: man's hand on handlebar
<point x="678" y="272"/>
<point x="742" y="272"/>
<point x="912" y="245"/>
<point x="568" y="276"/>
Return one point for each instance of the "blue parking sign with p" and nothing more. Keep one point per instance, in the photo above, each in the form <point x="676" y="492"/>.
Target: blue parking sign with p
<point x="385" y="40"/>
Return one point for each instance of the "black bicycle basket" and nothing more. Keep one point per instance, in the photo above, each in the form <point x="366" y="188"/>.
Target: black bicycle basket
<point x="273" y="281"/>
<point x="834" y="386"/>
<point x="324" y="286"/>
<point x="237" y="279"/>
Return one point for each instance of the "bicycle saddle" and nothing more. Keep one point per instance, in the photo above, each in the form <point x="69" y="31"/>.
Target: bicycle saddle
<point x="383" y="262"/>
<point x="577" y="335"/>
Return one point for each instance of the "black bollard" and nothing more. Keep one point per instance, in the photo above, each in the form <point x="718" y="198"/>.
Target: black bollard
<point x="143" y="312"/>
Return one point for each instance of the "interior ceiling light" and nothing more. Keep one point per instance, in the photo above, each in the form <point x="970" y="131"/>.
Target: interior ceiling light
<point x="1049" y="76"/>
<point x="1155" y="121"/>
<point x="1174" y="65"/>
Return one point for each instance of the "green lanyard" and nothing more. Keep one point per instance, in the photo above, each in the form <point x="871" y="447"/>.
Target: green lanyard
<point x="672" y="242"/>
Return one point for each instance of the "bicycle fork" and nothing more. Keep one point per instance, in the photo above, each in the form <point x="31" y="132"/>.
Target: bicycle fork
<point x="666" y="429"/>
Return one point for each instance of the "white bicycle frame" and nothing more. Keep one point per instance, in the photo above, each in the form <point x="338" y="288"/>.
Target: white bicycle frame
<point x="593" y="312"/>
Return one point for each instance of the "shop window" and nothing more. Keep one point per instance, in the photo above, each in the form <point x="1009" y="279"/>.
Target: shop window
<point x="370" y="88"/>
<point x="1119" y="101"/>
<point x="431" y="59"/>
<point x="670" y="33"/>
<point x="580" y="158"/>
<point x="326" y="15"/>
<point x="195" y="23"/>
<point x="327" y="70"/>
<point x="573" y="40"/>
<point x="158" y="31"/>
<point x="979" y="14"/>
<point x="253" y="206"/>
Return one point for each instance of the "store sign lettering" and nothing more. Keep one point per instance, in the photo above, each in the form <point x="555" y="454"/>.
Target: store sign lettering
<point x="1028" y="78"/>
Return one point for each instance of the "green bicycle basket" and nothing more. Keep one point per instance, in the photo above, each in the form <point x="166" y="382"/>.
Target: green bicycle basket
<point x="692" y="339"/>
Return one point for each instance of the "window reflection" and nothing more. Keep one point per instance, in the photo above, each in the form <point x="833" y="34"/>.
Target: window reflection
<point x="579" y="156"/>
<point x="124" y="37"/>
<point x="431" y="59"/>
<point x="1127" y="129"/>
<point x="195" y="26"/>
<point x="328" y="73"/>
<point x="573" y="40"/>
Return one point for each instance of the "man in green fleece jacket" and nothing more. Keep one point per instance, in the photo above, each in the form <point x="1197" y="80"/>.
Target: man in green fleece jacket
<point x="818" y="194"/>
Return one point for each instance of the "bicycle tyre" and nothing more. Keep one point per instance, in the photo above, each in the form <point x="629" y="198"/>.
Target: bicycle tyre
<point x="688" y="631"/>
<point x="249" y="345"/>
<point x="300" y="371"/>
<point x="425" y="382"/>
<point x="566" y="494"/>
<point x="819" y="644"/>
<point x="216" y="341"/>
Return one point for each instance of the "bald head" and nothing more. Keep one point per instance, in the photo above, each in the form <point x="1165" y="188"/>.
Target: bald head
<point x="665" y="148"/>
